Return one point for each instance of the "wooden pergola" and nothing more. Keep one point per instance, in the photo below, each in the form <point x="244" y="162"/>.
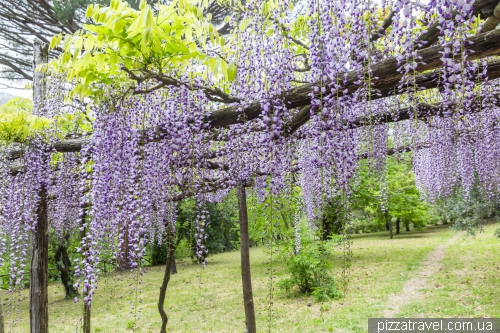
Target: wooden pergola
<point x="385" y="80"/>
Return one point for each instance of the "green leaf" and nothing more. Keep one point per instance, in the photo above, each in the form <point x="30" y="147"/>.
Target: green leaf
<point x="213" y="64"/>
<point x="223" y="68"/>
<point x="232" y="71"/>
<point x="89" y="11"/>
<point x="114" y="4"/>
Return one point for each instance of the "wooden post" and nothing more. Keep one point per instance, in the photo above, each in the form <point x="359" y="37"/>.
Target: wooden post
<point x="86" y="318"/>
<point x="40" y="56"/>
<point x="2" y="329"/>
<point x="39" y="315"/>
<point x="87" y="314"/>
<point x="245" y="261"/>
<point x="39" y="302"/>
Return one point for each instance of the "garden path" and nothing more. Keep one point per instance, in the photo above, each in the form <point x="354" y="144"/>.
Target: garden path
<point x="412" y="287"/>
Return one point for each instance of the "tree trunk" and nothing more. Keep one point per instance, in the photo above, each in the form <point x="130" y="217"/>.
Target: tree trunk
<point x="245" y="262"/>
<point x="39" y="302"/>
<point x="63" y="264"/>
<point x="285" y="220"/>
<point x="386" y="224"/>
<point x="166" y="278"/>
<point x="398" y="225"/>
<point x="389" y="223"/>
<point x="123" y="259"/>
<point x="407" y="224"/>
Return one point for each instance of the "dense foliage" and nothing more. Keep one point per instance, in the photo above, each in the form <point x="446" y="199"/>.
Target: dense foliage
<point x="310" y="267"/>
<point x="469" y="212"/>
<point x="390" y="195"/>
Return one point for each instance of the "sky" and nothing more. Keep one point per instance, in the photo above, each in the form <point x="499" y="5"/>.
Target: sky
<point x="17" y="92"/>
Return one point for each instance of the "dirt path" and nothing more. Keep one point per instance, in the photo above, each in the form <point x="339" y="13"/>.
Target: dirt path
<point x="411" y="288"/>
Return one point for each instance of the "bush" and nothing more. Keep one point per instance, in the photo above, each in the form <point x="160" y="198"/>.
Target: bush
<point x="5" y="273"/>
<point x="466" y="213"/>
<point x="222" y="228"/>
<point x="310" y="268"/>
<point x="363" y="225"/>
<point x="158" y="254"/>
<point x="183" y="250"/>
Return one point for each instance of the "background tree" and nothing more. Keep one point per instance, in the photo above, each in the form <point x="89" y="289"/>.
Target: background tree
<point x="392" y="194"/>
<point x="469" y="211"/>
<point x="61" y="251"/>
<point x="282" y="215"/>
<point x="23" y="20"/>
<point x="222" y="226"/>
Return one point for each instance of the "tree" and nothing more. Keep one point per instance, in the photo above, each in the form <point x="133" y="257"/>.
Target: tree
<point x="23" y="20"/>
<point x="466" y="210"/>
<point x="391" y="195"/>
<point x="63" y="263"/>
<point x="280" y="210"/>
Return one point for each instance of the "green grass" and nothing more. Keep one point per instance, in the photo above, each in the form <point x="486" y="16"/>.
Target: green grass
<point x="211" y="300"/>
<point x="468" y="285"/>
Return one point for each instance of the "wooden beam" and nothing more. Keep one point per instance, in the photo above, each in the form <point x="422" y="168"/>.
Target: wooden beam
<point x="39" y="302"/>
<point x="482" y="8"/>
<point x="385" y="79"/>
<point x="428" y="81"/>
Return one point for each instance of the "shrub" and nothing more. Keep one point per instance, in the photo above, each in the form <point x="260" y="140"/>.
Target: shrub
<point x="363" y="225"/>
<point x="158" y="254"/>
<point x="467" y="212"/>
<point x="310" y="268"/>
<point x="5" y="273"/>
<point x="183" y="249"/>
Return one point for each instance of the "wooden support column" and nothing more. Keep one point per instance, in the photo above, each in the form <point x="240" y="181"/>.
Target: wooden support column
<point x="39" y="303"/>
<point x="87" y="313"/>
<point x="2" y="327"/>
<point x="39" y="315"/>
<point x="245" y="261"/>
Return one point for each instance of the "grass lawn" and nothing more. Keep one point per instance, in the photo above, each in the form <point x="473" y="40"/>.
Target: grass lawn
<point x="211" y="300"/>
<point x="469" y="283"/>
